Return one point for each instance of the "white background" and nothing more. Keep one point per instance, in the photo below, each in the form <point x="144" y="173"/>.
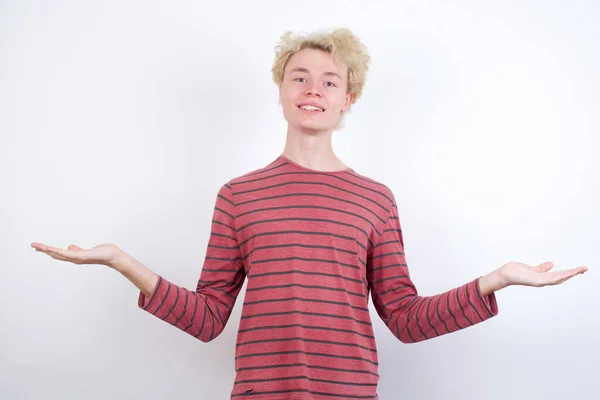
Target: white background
<point x="119" y="121"/>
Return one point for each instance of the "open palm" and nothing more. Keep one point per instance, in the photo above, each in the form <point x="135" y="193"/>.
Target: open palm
<point x="516" y="273"/>
<point x="104" y="254"/>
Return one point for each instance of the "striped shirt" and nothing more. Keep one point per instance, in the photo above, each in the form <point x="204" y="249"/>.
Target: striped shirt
<point x="313" y="247"/>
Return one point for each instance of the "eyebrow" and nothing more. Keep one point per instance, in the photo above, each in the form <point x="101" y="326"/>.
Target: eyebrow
<point x="300" y="69"/>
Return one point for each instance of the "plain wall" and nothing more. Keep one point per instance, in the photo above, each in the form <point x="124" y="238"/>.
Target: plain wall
<point x="119" y="120"/>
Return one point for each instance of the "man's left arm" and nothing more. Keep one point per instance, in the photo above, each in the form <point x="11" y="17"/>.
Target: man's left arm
<point x="414" y="318"/>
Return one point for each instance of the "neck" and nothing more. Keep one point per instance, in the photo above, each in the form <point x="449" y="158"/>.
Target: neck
<point x="312" y="150"/>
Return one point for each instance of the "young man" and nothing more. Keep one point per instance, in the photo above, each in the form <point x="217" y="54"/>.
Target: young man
<point x="314" y="239"/>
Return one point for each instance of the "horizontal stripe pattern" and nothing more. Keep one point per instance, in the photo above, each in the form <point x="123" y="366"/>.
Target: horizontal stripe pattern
<point x="313" y="247"/>
<point x="203" y="313"/>
<point x="410" y="317"/>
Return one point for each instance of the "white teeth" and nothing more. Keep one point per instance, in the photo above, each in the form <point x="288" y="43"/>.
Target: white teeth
<point x="311" y="108"/>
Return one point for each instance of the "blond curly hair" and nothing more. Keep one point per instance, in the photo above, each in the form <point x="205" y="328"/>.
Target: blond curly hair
<point x="341" y="43"/>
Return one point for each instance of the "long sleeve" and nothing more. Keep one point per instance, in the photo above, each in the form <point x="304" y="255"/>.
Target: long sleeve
<point x="410" y="317"/>
<point x="203" y="313"/>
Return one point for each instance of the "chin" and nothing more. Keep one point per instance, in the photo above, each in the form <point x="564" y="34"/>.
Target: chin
<point x="313" y="126"/>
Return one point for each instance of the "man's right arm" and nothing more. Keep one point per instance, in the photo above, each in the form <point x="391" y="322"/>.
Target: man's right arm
<point x="203" y="312"/>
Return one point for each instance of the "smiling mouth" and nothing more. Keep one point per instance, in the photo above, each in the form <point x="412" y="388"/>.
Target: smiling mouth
<point x="311" y="108"/>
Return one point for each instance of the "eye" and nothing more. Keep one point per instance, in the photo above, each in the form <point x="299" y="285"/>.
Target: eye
<point x="297" y="79"/>
<point x="332" y="84"/>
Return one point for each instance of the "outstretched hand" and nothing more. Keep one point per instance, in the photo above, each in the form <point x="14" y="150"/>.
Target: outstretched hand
<point x="516" y="273"/>
<point x="105" y="254"/>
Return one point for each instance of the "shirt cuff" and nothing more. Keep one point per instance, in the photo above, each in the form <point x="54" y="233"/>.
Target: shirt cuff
<point x="159" y="292"/>
<point x="486" y="305"/>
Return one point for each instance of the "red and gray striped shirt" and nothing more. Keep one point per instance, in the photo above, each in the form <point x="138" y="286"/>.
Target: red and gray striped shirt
<point x="313" y="246"/>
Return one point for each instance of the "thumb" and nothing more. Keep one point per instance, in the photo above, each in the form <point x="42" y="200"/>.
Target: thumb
<point x="545" y="267"/>
<point x="73" y="247"/>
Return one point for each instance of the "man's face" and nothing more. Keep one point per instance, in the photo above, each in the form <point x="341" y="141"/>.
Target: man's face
<point x="312" y="78"/>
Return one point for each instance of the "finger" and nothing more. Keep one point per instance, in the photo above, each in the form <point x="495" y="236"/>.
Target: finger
<point x="559" y="277"/>
<point x="56" y="250"/>
<point x="62" y="257"/>
<point x="51" y="253"/>
<point x="564" y="280"/>
<point x="58" y="257"/>
<point x="46" y="249"/>
<point x="38" y="246"/>
<point x="69" y="253"/>
<point x="66" y="255"/>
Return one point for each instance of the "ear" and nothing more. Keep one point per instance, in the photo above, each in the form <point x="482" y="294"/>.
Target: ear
<point x="348" y="102"/>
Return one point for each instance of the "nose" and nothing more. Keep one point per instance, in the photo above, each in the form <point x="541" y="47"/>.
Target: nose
<point x="314" y="90"/>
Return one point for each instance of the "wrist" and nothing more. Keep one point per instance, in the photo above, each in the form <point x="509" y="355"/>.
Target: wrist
<point x="120" y="261"/>
<point x="491" y="282"/>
